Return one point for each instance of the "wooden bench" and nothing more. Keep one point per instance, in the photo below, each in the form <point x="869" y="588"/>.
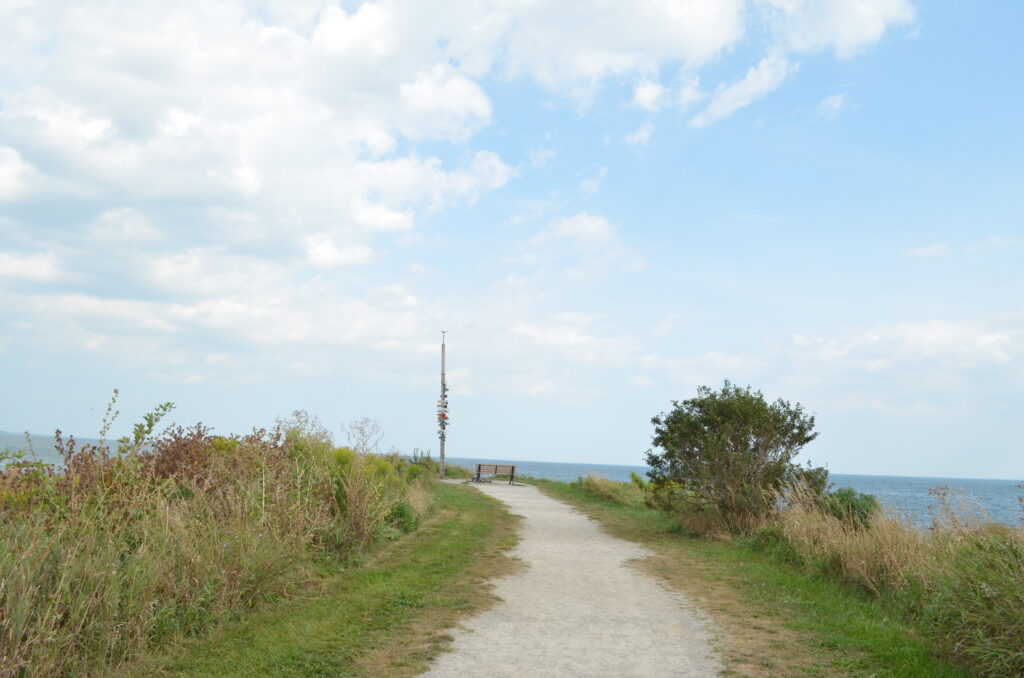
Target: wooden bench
<point x="497" y="470"/>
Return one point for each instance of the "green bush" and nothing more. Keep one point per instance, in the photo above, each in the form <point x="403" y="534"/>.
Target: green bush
<point x="403" y="517"/>
<point x="734" y="451"/>
<point x="642" y="484"/>
<point x="852" y="507"/>
<point x="772" y="539"/>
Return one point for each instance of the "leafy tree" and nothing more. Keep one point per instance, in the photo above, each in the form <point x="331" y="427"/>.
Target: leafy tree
<point x="733" y="452"/>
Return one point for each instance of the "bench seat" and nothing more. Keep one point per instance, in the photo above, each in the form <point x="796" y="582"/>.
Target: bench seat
<point x="497" y="470"/>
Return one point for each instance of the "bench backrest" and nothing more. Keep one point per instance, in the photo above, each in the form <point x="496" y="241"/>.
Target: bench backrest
<point x="497" y="469"/>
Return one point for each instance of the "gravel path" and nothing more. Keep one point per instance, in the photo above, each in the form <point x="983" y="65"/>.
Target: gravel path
<point x="577" y="609"/>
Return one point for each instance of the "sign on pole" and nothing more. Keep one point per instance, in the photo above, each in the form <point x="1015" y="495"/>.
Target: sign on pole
<point x="442" y="405"/>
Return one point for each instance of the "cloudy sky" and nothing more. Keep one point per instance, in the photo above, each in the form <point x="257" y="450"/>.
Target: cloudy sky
<point x="257" y="206"/>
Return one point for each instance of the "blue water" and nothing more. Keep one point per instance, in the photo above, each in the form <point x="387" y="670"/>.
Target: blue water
<point x="42" y="446"/>
<point x="908" y="496"/>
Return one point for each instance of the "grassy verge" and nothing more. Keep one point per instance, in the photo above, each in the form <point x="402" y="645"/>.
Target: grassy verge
<point x="384" y="617"/>
<point x="121" y="550"/>
<point x="775" y="619"/>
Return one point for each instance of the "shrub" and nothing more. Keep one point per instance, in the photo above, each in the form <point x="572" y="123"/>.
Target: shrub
<point x="402" y="516"/>
<point x="852" y="507"/>
<point x="734" y="451"/>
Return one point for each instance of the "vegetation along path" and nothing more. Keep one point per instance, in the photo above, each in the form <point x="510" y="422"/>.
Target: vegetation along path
<point x="577" y="608"/>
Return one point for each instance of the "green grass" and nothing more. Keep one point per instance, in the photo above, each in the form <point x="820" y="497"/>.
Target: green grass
<point x="384" y="617"/>
<point x="777" y="619"/>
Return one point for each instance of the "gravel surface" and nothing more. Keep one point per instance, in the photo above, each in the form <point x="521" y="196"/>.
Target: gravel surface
<point x="578" y="608"/>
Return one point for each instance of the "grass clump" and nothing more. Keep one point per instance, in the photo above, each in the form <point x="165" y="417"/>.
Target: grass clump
<point x="627" y="494"/>
<point x="118" y="551"/>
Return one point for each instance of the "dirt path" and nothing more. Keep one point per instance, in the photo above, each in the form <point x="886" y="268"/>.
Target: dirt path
<point x="577" y="609"/>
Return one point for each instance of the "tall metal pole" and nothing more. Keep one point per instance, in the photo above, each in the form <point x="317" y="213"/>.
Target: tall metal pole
<point x="442" y="405"/>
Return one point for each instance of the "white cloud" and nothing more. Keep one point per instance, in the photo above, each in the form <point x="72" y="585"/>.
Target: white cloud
<point x="46" y="118"/>
<point x="579" y="246"/>
<point x="641" y="381"/>
<point x="377" y="217"/>
<point x="648" y="95"/>
<point x="995" y="242"/>
<point x="572" y="46"/>
<point x="832" y="105"/>
<point x="16" y="175"/>
<point x="442" y="103"/>
<point x="541" y="387"/>
<point x="211" y="272"/>
<point x="370" y="33"/>
<point x="845" y="26"/>
<point x="270" y="314"/>
<point x="460" y="382"/>
<point x="933" y="342"/>
<point x="324" y="252"/>
<point x="591" y="186"/>
<point x="242" y="162"/>
<point x="641" y="136"/>
<point x="568" y="335"/>
<point x="927" y="251"/>
<point x="667" y="325"/>
<point x="40" y="267"/>
<point x="689" y="93"/>
<point x="769" y="73"/>
<point x="423" y="181"/>
<point x="706" y="368"/>
<point x="286" y="106"/>
<point x="586" y="229"/>
<point x="124" y="224"/>
<point x="540" y="156"/>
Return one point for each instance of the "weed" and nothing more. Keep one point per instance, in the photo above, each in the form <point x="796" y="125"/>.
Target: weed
<point x="117" y="552"/>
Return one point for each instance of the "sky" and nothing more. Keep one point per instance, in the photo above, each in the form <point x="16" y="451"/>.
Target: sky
<point x="253" y="207"/>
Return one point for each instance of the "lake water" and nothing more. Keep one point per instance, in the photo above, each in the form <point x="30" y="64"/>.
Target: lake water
<point x="907" y="495"/>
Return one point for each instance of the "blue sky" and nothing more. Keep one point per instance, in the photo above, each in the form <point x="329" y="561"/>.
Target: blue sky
<point x="248" y="208"/>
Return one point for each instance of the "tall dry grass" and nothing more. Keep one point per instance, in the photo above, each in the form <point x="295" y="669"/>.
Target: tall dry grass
<point x="962" y="579"/>
<point x="628" y="494"/>
<point x="116" y="553"/>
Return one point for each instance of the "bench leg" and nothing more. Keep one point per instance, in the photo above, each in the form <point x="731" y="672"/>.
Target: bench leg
<point x="512" y="479"/>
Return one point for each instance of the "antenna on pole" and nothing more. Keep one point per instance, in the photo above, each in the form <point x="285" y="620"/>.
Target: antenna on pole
<point x="442" y="405"/>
